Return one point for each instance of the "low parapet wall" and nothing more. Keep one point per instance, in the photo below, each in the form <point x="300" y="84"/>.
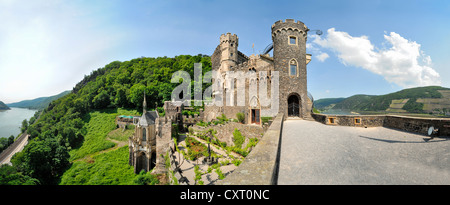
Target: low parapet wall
<point x="260" y="167"/>
<point x="409" y="124"/>
<point x="418" y="125"/>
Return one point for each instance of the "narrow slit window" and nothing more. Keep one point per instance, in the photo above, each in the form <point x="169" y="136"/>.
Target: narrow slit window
<point x="357" y="121"/>
<point x="144" y="134"/>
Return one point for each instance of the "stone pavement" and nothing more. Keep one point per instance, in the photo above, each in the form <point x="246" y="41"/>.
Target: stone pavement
<point x="314" y="153"/>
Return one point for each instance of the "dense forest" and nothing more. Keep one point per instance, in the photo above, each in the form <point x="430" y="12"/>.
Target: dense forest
<point x="62" y="125"/>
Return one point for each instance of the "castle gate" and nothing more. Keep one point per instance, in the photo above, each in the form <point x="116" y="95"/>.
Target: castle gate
<point x="293" y="105"/>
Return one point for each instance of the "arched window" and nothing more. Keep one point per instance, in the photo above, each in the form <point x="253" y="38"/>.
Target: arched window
<point x="144" y="134"/>
<point x="293" y="68"/>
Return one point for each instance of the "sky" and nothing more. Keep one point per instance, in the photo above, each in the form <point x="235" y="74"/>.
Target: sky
<point x="367" y="47"/>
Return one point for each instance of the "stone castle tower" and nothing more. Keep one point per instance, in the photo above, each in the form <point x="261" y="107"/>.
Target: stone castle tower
<point x="289" y="60"/>
<point x="228" y="45"/>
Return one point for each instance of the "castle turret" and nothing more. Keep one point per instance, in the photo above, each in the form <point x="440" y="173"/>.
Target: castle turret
<point x="228" y="46"/>
<point x="289" y="54"/>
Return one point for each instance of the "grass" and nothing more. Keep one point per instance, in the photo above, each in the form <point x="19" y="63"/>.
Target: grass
<point x="104" y="167"/>
<point x="121" y="135"/>
<point x="109" y="168"/>
<point x="99" y="124"/>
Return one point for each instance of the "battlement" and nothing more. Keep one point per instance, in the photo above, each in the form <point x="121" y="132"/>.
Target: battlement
<point x="289" y="24"/>
<point x="229" y="38"/>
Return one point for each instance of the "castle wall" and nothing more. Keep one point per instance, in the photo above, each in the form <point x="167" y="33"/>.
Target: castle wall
<point x="226" y="57"/>
<point x="409" y="124"/>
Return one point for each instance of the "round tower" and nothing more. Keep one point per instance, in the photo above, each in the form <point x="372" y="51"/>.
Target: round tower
<point x="289" y="54"/>
<point x="228" y="47"/>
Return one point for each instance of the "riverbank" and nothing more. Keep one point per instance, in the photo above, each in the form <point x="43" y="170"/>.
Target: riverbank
<point x="11" y="120"/>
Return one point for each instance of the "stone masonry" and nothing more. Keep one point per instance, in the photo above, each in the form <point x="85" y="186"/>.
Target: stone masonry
<point x="289" y="59"/>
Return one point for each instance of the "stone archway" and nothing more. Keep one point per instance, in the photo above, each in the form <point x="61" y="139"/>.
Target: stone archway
<point x="294" y="105"/>
<point x="141" y="162"/>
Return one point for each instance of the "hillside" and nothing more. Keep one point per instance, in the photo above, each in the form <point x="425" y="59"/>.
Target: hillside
<point x="327" y="103"/>
<point x="430" y="99"/>
<point x="38" y="103"/>
<point x="76" y="125"/>
<point x="3" y="106"/>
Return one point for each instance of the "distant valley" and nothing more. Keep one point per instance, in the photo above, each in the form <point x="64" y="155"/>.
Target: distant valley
<point x="38" y="103"/>
<point x="430" y="100"/>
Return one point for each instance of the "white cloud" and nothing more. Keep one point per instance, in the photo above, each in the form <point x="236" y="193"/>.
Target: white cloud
<point x="322" y="57"/>
<point x="403" y="63"/>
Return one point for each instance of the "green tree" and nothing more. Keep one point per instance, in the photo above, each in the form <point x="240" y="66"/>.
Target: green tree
<point x="137" y="95"/>
<point x="10" y="140"/>
<point x="44" y="160"/>
<point x="24" y="125"/>
<point x="10" y="176"/>
<point x="101" y="100"/>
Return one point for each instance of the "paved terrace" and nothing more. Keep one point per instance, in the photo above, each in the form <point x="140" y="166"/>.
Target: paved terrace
<point x="314" y="153"/>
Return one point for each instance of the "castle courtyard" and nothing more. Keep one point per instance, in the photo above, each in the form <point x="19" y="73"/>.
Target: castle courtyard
<point x="314" y="153"/>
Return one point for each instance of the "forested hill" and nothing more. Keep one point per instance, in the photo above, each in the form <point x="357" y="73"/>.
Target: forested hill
<point x="3" y="106"/>
<point x="414" y="100"/>
<point x="38" y="103"/>
<point x="61" y="127"/>
<point x="327" y="103"/>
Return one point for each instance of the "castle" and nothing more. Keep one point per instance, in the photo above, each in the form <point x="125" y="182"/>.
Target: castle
<point x="286" y="69"/>
<point x="289" y="62"/>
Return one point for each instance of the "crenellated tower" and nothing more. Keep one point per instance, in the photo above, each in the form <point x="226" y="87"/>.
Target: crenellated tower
<point x="229" y="51"/>
<point x="290" y="59"/>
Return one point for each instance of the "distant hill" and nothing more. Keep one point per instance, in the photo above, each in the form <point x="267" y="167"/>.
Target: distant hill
<point x="430" y="99"/>
<point x="38" y="103"/>
<point x="327" y="103"/>
<point x="354" y="102"/>
<point x="3" y="106"/>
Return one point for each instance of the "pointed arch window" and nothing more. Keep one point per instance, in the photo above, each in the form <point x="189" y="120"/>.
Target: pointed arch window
<point x="293" y="68"/>
<point x="144" y="134"/>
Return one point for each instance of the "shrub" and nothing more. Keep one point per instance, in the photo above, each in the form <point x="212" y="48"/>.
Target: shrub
<point x="146" y="179"/>
<point x="219" y="172"/>
<point x="202" y="124"/>
<point x="240" y="117"/>
<point x="238" y="139"/>
<point x="265" y="119"/>
<point x="236" y="162"/>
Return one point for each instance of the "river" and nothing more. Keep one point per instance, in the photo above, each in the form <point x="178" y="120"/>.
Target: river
<point x="339" y="112"/>
<point x="11" y="120"/>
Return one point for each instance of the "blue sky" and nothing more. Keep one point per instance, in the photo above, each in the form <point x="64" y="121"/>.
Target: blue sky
<point x="367" y="47"/>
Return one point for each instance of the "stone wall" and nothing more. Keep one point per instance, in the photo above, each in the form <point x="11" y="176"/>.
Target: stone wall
<point x="260" y="167"/>
<point x="418" y="125"/>
<point x="225" y="132"/>
<point x="350" y="120"/>
<point x="409" y="124"/>
<point x="163" y="139"/>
